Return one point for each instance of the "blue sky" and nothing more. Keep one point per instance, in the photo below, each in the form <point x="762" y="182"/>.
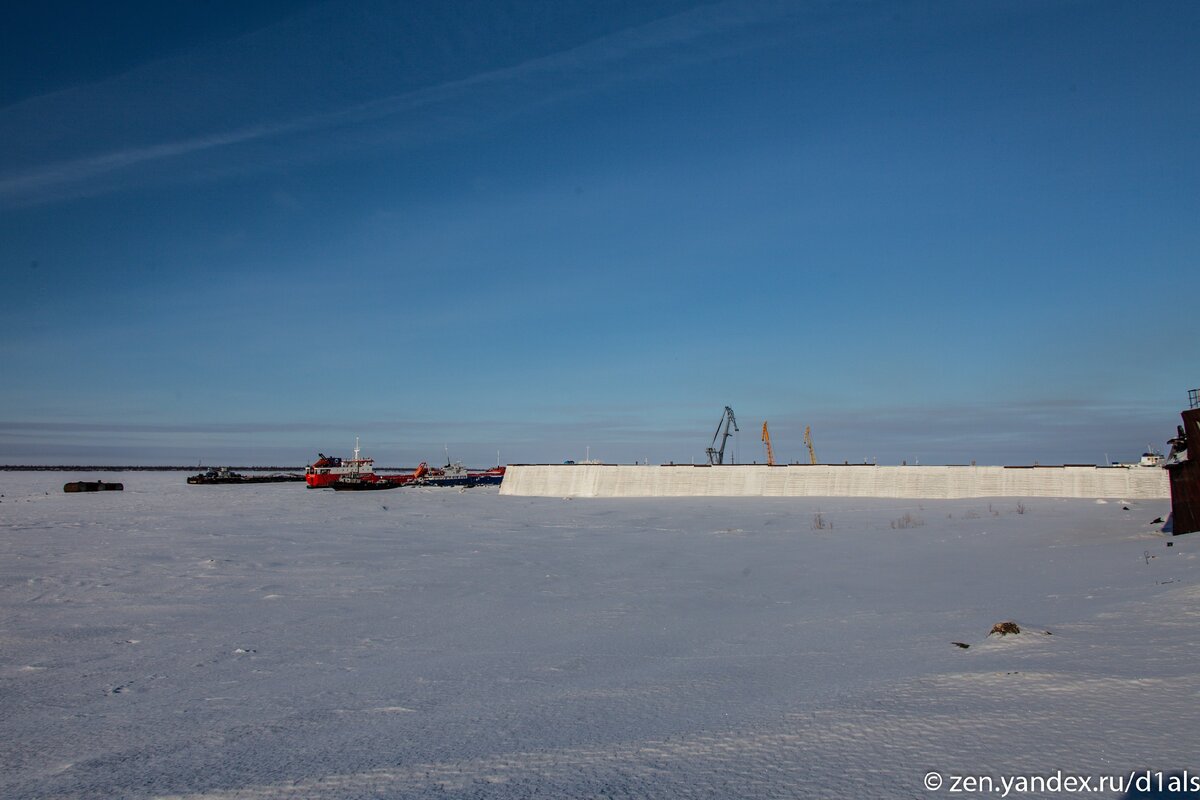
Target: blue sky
<point x="246" y="232"/>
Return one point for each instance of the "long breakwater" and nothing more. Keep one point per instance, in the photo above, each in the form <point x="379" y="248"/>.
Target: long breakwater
<point x="833" y="480"/>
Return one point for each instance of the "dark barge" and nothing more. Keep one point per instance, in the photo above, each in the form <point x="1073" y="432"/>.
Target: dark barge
<point x="93" y="486"/>
<point x="224" y="475"/>
<point x="351" y="484"/>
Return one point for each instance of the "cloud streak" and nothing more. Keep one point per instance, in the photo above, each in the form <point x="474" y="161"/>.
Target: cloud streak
<point x="69" y="172"/>
<point x="650" y="46"/>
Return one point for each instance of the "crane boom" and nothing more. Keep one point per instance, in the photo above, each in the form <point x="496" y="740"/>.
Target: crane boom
<point x="766" y="437"/>
<point x="812" y="456"/>
<point x="715" y="455"/>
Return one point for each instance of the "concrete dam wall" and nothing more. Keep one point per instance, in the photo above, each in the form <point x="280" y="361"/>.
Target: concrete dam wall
<point x="833" y="480"/>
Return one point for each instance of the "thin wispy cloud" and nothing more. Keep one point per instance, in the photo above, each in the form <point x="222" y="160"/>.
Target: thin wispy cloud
<point x="69" y="172"/>
<point x="654" y="45"/>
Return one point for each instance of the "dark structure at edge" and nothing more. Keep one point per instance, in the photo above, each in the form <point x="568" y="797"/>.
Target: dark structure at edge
<point x="1185" y="475"/>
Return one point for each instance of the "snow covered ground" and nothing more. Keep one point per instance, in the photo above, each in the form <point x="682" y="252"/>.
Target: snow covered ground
<point x="271" y="641"/>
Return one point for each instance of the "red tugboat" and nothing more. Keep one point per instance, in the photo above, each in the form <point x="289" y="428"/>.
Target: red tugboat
<point x="327" y="470"/>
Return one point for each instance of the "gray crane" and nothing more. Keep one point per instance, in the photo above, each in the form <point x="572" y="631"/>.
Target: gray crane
<point x="716" y="456"/>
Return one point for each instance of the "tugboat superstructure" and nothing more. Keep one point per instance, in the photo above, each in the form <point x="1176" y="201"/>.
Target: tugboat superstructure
<point x="327" y="470"/>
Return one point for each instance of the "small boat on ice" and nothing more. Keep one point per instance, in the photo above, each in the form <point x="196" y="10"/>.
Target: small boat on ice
<point x="93" y="486"/>
<point x="456" y="475"/>
<point x="224" y="475"/>
<point x="424" y="475"/>
<point x="361" y="485"/>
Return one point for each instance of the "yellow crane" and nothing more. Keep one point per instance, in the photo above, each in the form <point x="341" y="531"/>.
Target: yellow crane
<point x="766" y="437"/>
<point x="812" y="456"/>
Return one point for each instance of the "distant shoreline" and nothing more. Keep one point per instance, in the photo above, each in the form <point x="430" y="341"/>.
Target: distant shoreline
<point x="142" y="468"/>
<point x="127" y="468"/>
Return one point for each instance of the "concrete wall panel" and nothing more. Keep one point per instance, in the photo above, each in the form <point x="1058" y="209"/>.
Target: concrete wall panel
<point x="823" y="480"/>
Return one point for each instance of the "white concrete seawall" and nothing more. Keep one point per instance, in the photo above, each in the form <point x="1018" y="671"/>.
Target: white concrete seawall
<point x="830" y="480"/>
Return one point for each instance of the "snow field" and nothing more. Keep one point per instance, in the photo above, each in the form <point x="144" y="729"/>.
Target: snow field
<point x="272" y="641"/>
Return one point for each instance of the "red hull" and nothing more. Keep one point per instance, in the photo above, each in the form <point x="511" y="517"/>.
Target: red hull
<point x="323" y="480"/>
